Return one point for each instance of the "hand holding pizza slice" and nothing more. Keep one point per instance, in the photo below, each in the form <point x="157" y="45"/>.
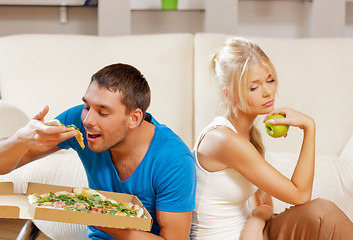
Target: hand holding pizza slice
<point x="72" y="127"/>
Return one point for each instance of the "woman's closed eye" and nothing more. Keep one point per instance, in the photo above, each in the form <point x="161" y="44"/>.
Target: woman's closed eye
<point x="271" y="80"/>
<point x="253" y="88"/>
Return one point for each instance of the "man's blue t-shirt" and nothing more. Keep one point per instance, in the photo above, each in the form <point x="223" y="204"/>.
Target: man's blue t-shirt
<point x="164" y="180"/>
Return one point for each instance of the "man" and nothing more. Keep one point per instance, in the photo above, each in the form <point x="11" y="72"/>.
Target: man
<point x="128" y="152"/>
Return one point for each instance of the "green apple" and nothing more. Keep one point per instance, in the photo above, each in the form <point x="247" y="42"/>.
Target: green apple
<point x="276" y="130"/>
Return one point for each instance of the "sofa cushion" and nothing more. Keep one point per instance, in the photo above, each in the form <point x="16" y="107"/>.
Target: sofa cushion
<point x="56" y="69"/>
<point x="314" y="78"/>
<point x="333" y="179"/>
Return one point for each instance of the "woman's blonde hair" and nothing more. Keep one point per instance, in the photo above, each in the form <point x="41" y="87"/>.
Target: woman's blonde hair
<point x="231" y="66"/>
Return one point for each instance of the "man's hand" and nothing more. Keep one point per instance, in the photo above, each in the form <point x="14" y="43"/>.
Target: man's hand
<point x="31" y="142"/>
<point x="41" y="137"/>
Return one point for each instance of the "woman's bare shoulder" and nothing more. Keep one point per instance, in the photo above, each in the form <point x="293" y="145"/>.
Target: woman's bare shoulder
<point x="221" y="140"/>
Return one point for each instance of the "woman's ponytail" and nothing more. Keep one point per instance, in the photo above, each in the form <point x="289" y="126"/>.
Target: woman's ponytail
<point x="256" y="140"/>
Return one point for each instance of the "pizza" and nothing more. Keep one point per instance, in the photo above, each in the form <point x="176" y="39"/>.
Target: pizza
<point x="72" y="127"/>
<point x="85" y="200"/>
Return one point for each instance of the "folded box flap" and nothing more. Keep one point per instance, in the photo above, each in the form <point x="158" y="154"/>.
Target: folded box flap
<point x="14" y="205"/>
<point x="6" y="188"/>
<point x="40" y="188"/>
<point x="9" y="211"/>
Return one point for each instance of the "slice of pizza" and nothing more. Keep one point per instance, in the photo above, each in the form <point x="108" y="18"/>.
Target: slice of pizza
<point x="79" y="136"/>
<point x="72" y="127"/>
<point x="47" y="199"/>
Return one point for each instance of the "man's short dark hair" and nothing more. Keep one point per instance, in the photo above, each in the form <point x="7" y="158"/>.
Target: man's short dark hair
<point x="129" y="81"/>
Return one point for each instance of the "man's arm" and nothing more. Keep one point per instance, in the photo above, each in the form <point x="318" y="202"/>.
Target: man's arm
<point x="33" y="141"/>
<point x="175" y="191"/>
<point x="174" y="226"/>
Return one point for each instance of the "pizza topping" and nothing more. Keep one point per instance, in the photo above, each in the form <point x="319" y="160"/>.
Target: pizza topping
<point x="79" y="136"/>
<point x="85" y="200"/>
<point x="71" y="126"/>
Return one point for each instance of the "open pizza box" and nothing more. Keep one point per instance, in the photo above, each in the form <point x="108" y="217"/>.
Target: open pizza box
<point x="17" y="206"/>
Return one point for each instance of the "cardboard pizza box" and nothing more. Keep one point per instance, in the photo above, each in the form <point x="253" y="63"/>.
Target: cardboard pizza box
<point x="17" y="206"/>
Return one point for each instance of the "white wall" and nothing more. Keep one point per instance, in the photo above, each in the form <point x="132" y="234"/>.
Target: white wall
<point x="275" y="19"/>
<point x="144" y="22"/>
<point x="256" y="18"/>
<point x="17" y="20"/>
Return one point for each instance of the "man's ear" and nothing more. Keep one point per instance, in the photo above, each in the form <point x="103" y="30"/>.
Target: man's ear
<point x="136" y="117"/>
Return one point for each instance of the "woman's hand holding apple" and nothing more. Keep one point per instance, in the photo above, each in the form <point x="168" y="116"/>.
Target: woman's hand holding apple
<point x="289" y="117"/>
<point x="276" y="130"/>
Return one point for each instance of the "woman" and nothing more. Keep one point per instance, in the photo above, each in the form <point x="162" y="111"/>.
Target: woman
<point x="231" y="169"/>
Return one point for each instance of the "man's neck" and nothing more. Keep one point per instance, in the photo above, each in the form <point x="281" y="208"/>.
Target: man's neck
<point x="127" y="156"/>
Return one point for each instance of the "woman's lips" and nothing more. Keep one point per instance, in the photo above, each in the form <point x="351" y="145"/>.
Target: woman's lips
<point x="269" y="103"/>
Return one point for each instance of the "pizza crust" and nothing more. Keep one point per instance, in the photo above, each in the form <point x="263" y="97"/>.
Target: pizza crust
<point x="79" y="136"/>
<point x="87" y="192"/>
<point x="54" y="122"/>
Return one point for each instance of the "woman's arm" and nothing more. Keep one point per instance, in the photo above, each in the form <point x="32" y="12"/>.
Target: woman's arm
<point x="262" y="206"/>
<point x="303" y="174"/>
<point x="223" y="146"/>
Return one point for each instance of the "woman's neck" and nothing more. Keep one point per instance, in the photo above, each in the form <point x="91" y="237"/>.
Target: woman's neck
<point x="242" y="121"/>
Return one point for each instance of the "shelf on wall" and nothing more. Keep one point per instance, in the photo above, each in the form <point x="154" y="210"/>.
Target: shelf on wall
<point x="161" y="10"/>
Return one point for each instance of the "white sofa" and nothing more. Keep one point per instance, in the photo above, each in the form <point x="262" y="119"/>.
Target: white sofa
<point x="314" y="77"/>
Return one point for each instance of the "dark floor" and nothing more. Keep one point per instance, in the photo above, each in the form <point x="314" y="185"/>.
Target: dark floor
<point x="10" y="228"/>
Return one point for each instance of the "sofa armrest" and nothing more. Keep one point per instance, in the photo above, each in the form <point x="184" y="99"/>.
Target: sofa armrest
<point x="61" y="168"/>
<point x="347" y="152"/>
<point x="12" y="118"/>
